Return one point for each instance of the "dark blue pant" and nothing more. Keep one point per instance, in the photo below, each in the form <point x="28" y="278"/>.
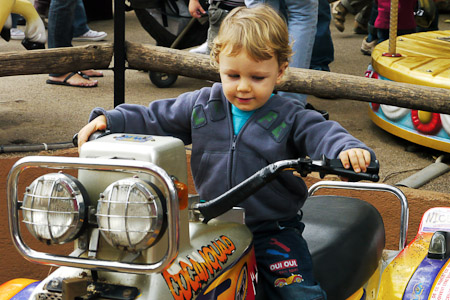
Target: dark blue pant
<point x="284" y="263"/>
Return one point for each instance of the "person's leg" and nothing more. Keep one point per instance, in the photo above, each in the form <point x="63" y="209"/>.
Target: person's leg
<point x="383" y="35"/>
<point x="323" y="50"/>
<point x="343" y="7"/>
<point x="216" y="16"/>
<point x="370" y="41"/>
<point x="81" y="31"/>
<point x="80" y="26"/>
<point x="302" y="25"/>
<point x="60" y="31"/>
<point x="60" y="20"/>
<point x="284" y="263"/>
<point x="363" y="16"/>
<point x="16" y="33"/>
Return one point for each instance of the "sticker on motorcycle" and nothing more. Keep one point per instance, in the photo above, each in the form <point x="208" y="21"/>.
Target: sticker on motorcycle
<point x="197" y="270"/>
<point x="434" y="219"/>
<point x="133" y="138"/>
<point x="294" y="278"/>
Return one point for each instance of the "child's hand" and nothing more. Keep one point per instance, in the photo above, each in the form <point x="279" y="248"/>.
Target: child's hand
<point x="358" y="158"/>
<point x="97" y="124"/>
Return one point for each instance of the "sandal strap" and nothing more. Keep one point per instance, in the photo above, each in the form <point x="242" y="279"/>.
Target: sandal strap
<point x="69" y="76"/>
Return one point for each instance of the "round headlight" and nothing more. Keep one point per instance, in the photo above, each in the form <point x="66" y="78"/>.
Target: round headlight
<point x="130" y="214"/>
<point x="54" y="208"/>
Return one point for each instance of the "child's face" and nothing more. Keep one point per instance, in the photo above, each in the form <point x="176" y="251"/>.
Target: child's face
<point x="248" y="84"/>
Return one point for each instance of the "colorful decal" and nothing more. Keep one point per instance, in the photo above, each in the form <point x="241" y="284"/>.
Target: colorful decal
<point x="426" y="122"/>
<point x="422" y="280"/>
<point x="441" y="287"/>
<point x="274" y="241"/>
<point x="294" y="278"/>
<point x="240" y="277"/>
<point x="276" y="252"/>
<point x="445" y="119"/>
<point x="393" y="112"/>
<point x="16" y="288"/>
<point x="375" y="106"/>
<point x="134" y="138"/>
<point x="435" y="219"/>
<point x="194" y="273"/>
<point x="242" y="284"/>
<point x="285" y="264"/>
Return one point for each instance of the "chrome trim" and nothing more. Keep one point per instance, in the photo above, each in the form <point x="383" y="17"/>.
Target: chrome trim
<point x="98" y="164"/>
<point x="366" y="186"/>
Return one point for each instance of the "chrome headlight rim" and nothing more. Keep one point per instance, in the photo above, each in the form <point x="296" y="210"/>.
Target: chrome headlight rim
<point x="79" y="198"/>
<point x="156" y="198"/>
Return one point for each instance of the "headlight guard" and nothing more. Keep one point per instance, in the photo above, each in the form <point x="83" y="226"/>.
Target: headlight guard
<point x="131" y="214"/>
<point x="54" y="208"/>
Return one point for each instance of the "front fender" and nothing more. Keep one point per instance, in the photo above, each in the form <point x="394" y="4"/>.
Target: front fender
<point x="20" y="288"/>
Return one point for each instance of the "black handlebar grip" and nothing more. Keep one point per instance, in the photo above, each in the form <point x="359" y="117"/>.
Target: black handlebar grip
<point x="94" y="136"/>
<point x="335" y="167"/>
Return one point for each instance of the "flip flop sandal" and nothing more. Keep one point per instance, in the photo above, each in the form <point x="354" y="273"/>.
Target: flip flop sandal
<point x="64" y="82"/>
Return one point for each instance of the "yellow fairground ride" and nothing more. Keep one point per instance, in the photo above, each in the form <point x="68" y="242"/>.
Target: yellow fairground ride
<point x="422" y="59"/>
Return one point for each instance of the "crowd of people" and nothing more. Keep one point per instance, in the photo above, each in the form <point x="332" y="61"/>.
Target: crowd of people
<point x="66" y="21"/>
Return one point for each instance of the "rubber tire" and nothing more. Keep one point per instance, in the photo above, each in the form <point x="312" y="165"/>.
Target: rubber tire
<point x="162" y="80"/>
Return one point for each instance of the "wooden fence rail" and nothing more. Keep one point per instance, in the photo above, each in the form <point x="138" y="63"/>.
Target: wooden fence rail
<point x="161" y="59"/>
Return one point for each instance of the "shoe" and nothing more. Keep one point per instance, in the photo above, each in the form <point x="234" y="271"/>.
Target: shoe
<point x="324" y="113"/>
<point x="359" y="28"/>
<point x="17" y="34"/>
<point x="367" y="47"/>
<point x="338" y="12"/>
<point x="91" y="36"/>
<point x="66" y="83"/>
<point x="202" y="49"/>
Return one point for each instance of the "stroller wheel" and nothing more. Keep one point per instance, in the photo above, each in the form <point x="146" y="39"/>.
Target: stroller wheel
<point x="162" y="80"/>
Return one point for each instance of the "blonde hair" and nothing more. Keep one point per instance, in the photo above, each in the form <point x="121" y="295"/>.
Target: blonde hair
<point x="260" y="31"/>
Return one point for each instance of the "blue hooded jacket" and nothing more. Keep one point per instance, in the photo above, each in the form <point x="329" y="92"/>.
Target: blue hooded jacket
<point x="279" y="130"/>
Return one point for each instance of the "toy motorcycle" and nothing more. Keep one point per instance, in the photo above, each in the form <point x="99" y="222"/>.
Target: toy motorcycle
<point x="136" y="233"/>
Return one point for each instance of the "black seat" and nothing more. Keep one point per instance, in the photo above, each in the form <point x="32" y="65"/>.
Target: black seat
<point x="346" y="239"/>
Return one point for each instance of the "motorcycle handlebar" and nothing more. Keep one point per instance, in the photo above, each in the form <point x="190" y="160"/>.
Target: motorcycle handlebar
<point x="304" y="166"/>
<point x="94" y="136"/>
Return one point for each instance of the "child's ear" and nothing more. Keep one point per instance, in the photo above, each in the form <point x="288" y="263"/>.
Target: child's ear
<point x="281" y="72"/>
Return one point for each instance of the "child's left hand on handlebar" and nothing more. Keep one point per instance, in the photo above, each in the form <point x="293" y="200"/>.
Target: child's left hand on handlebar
<point x="97" y="124"/>
<point x="358" y="158"/>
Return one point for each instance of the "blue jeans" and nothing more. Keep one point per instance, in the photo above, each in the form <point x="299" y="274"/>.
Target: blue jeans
<point x="301" y="17"/>
<point x="61" y="18"/>
<point x="80" y="26"/>
<point x="66" y="19"/>
<point x="323" y="50"/>
<point x="284" y="263"/>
